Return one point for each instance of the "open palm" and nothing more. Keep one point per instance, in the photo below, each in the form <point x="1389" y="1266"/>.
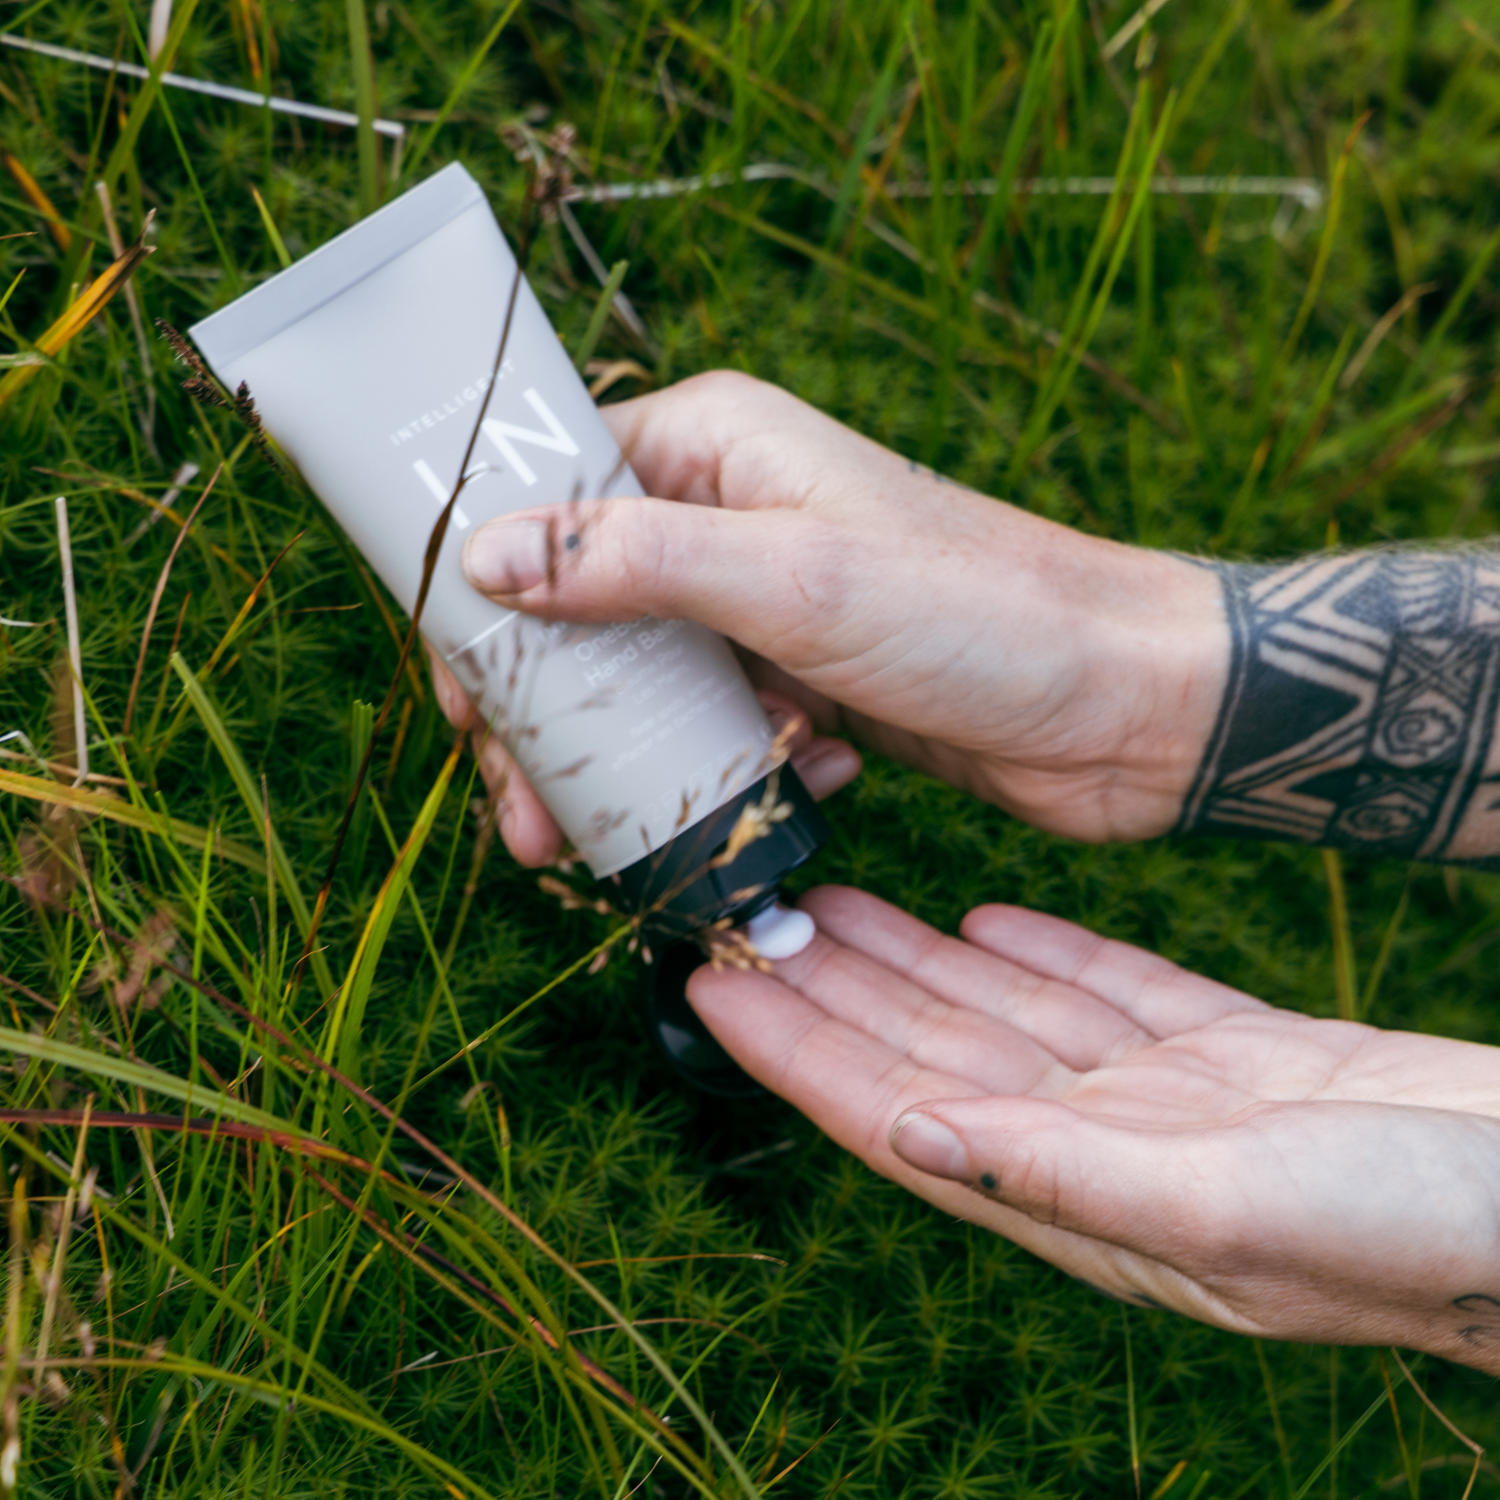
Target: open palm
<point x="1164" y="1137"/>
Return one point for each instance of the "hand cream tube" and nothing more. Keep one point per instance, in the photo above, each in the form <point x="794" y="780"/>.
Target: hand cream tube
<point x="369" y="361"/>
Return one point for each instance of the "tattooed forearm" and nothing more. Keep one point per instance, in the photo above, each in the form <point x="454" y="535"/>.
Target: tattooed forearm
<point x="1361" y="705"/>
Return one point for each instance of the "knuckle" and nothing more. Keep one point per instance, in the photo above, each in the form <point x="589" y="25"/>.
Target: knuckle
<point x="717" y="386"/>
<point x="637" y="552"/>
<point x="1032" y="1184"/>
<point x="815" y="575"/>
<point x="826" y="561"/>
<point x="727" y="405"/>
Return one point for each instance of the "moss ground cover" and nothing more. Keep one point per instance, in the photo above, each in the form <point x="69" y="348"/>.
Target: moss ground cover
<point x="602" y="1284"/>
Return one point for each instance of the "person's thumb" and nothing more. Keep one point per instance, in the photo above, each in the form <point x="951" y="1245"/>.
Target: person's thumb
<point x="1137" y="1188"/>
<point x="620" y="559"/>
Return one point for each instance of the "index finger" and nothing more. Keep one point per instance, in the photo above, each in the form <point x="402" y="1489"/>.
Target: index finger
<point x="724" y="438"/>
<point x="1152" y="991"/>
<point x="1079" y="1028"/>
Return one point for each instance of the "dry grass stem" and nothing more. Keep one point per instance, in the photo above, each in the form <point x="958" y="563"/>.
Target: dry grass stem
<point x="32" y="191"/>
<point x="158" y="27"/>
<point x="65" y="1225"/>
<point x="137" y="322"/>
<point x="79" y="313"/>
<point x="156" y="598"/>
<point x="185" y="473"/>
<point x="1447" y="1422"/>
<point x="75" y="647"/>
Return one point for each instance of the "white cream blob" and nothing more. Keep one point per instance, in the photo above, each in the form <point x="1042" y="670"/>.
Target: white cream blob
<point x="780" y="932"/>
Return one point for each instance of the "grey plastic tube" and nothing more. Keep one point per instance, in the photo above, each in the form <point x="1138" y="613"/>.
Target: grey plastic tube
<point x="368" y="361"/>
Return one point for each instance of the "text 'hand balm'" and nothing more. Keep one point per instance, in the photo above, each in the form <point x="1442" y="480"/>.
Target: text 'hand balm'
<point x="369" y="362"/>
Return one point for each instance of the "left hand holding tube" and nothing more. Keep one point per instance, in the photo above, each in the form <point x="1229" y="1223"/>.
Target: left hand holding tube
<point x="1069" y="679"/>
<point x="531" y="833"/>
<point x="1169" y="1140"/>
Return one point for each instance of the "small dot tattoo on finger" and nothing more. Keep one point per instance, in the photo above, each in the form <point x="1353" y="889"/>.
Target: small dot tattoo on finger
<point x="571" y="541"/>
<point x="988" y="1181"/>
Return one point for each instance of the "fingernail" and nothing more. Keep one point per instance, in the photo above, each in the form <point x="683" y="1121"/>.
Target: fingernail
<point x="930" y="1146"/>
<point x="507" y="557"/>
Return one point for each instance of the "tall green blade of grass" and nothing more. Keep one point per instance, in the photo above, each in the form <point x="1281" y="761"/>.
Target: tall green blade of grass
<point x="1325" y="247"/>
<point x="423" y="144"/>
<point x="600" y="316"/>
<point x="278" y="246"/>
<point x="136" y="1074"/>
<point x="362" y="66"/>
<point x="1039" y="70"/>
<point x="55" y="794"/>
<point x="1233" y="18"/>
<point x="1305" y="1488"/>
<point x="1297" y="436"/>
<point x="197" y="697"/>
<point x="163" y="102"/>
<point x="1061" y="374"/>
<point x="1271" y="386"/>
<point x="1473" y="275"/>
<point x="342" y="1034"/>
<point x="874" y="116"/>
<point x="1383" y="956"/>
<point x="1345" y="976"/>
<point x="361" y="729"/>
<point x="121" y="154"/>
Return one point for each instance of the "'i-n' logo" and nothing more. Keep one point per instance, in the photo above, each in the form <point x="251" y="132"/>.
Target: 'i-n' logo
<point x="505" y="435"/>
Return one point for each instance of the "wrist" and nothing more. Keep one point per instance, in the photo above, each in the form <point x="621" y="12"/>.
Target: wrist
<point x="1150" y="648"/>
<point x="1167" y="663"/>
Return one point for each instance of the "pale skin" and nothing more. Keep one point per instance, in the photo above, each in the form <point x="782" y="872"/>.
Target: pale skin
<point x="1169" y="1140"/>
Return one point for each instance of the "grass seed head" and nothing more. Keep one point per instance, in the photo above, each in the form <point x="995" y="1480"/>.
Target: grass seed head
<point x="206" y="391"/>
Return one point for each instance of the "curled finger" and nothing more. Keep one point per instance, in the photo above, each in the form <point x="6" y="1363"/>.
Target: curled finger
<point x="528" y="829"/>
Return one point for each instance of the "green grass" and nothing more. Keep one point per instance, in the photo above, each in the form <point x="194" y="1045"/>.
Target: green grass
<point x="242" y="1319"/>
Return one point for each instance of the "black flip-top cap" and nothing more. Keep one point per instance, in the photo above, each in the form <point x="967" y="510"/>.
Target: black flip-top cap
<point x="681" y="889"/>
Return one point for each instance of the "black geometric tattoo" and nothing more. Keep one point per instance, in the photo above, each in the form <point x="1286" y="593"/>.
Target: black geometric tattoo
<point x="1360" y="711"/>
